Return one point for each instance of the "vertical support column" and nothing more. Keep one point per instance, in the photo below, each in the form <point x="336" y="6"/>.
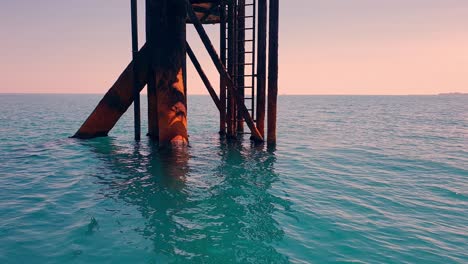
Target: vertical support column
<point x="168" y="56"/>
<point x="273" y="71"/>
<point x="184" y="70"/>
<point x="153" y="124"/>
<point x="136" y="90"/>
<point x="240" y="29"/>
<point x="222" y="83"/>
<point x="261" y="65"/>
<point x="232" y="59"/>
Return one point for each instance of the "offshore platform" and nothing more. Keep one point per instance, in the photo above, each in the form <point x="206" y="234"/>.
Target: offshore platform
<point x="248" y="41"/>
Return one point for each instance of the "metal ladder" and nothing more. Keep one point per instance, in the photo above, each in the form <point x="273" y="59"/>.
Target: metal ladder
<point x="244" y="70"/>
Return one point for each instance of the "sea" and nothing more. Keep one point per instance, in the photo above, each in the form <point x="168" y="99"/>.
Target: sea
<point x="352" y="179"/>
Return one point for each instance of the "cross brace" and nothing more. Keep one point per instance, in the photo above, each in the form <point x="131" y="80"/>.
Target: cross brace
<point x="256" y="136"/>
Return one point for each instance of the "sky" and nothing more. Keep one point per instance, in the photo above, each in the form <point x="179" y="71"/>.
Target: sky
<point x="384" y="47"/>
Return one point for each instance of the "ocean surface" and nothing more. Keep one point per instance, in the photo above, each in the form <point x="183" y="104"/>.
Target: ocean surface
<point x="353" y="179"/>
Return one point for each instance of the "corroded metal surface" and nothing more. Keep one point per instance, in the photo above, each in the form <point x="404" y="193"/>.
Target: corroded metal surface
<point x="117" y="100"/>
<point x="208" y="12"/>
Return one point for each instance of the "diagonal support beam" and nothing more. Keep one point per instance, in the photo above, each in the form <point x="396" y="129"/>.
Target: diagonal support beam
<point x="136" y="91"/>
<point x="117" y="100"/>
<point x="203" y="76"/>
<point x="222" y="71"/>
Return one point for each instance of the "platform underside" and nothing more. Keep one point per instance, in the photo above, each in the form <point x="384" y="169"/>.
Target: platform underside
<point x="207" y="11"/>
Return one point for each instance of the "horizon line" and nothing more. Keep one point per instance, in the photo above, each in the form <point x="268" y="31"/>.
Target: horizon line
<point x="199" y="94"/>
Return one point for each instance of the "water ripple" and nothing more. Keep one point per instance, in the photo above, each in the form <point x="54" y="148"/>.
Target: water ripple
<point x="353" y="179"/>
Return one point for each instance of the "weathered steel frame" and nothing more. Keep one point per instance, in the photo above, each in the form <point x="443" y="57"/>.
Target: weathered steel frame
<point x="222" y="71"/>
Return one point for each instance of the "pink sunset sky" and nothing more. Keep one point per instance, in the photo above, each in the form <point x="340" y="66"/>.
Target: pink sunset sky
<point x="326" y="46"/>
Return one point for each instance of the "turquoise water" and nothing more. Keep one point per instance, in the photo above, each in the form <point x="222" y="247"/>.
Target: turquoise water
<point x="363" y="179"/>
